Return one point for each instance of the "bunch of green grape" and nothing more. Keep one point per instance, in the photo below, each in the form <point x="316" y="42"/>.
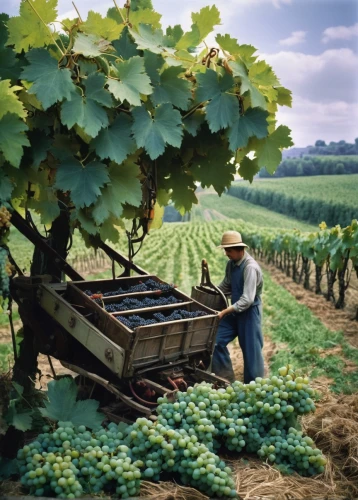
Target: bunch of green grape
<point x="244" y="416"/>
<point x="258" y="417"/>
<point x="5" y="217"/>
<point x="72" y="461"/>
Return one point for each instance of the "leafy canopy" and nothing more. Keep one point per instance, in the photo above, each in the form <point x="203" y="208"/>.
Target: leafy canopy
<point x="88" y="112"/>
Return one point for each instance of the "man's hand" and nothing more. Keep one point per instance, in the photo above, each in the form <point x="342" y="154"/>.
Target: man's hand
<point x="224" y="312"/>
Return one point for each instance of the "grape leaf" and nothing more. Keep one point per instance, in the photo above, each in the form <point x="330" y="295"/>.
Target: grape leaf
<point x="213" y="168"/>
<point x="261" y="73"/>
<point x="248" y="168"/>
<point x="40" y="144"/>
<point x="172" y="89"/>
<point x="124" y="187"/>
<point x="51" y="84"/>
<point x="284" y="97"/>
<point x="257" y="98"/>
<point x="189" y="39"/>
<point x="6" y="186"/>
<point x="125" y="47"/>
<point x="86" y="111"/>
<point x="22" y="420"/>
<point x="133" y="81"/>
<point x="62" y="405"/>
<point x="206" y="19"/>
<point x="145" y="16"/>
<point x="244" y="52"/>
<point x="83" y="182"/>
<point x="12" y="138"/>
<point x="252" y="123"/>
<point x="86" y="220"/>
<point x="173" y="35"/>
<point x="109" y="232"/>
<point x="269" y="149"/>
<point x="28" y="30"/>
<point x="183" y="190"/>
<point x="9" y="102"/>
<point x="148" y="39"/>
<point x="228" y="44"/>
<point x="115" y="142"/>
<point x="95" y="91"/>
<point x="88" y="45"/>
<point x="193" y="122"/>
<point x="154" y="132"/>
<point x="103" y="27"/>
<point x="223" y="109"/>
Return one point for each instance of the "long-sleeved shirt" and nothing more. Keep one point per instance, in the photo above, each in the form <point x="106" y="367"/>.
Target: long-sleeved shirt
<point x="253" y="282"/>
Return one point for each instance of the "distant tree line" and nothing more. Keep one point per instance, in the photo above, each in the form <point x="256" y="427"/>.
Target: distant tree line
<point x="306" y="209"/>
<point x="314" y="165"/>
<point x="334" y="148"/>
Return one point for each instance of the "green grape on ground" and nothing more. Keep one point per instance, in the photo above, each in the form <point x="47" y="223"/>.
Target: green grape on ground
<point x="259" y="417"/>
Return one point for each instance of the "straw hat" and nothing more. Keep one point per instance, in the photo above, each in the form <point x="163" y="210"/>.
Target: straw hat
<point x="231" y="239"/>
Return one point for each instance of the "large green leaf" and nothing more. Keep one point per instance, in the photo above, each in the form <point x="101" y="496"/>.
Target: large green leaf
<point x="6" y="186"/>
<point x="172" y="89"/>
<point x="257" y="98"/>
<point x="9" y="102"/>
<point x="51" y="84"/>
<point x="189" y="39"/>
<point x="284" y="97"/>
<point x="28" y="30"/>
<point x="13" y="138"/>
<point x="95" y="91"/>
<point x="103" y="27"/>
<point x="182" y="185"/>
<point x="88" y="45"/>
<point x="223" y="109"/>
<point x="62" y="405"/>
<point x="84" y="183"/>
<point x="206" y="19"/>
<point x="124" y="188"/>
<point x="148" y="39"/>
<point x="125" y="47"/>
<point x="87" y="111"/>
<point x="154" y="132"/>
<point x="133" y="81"/>
<point x="269" y="150"/>
<point x="115" y="142"/>
<point x="248" y="168"/>
<point x="252" y="123"/>
<point x="194" y="121"/>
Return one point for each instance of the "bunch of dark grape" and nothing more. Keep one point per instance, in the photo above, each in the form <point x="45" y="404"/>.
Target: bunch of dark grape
<point x="131" y="303"/>
<point x="148" y="286"/>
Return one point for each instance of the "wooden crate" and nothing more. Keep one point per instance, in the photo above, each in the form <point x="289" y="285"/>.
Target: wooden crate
<point x="152" y="344"/>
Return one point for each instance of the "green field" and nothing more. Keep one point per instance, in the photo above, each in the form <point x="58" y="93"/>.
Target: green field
<point x="328" y="188"/>
<point x="234" y="208"/>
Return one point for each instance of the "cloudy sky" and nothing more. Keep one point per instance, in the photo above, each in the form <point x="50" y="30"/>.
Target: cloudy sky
<point x="311" y="44"/>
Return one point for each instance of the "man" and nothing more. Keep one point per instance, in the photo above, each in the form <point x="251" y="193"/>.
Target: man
<point x="243" y="279"/>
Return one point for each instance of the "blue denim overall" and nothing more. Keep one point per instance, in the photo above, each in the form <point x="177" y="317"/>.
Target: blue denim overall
<point x="245" y="325"/>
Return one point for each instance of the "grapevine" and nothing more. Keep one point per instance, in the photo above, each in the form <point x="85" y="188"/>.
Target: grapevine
<point x="69" y="461"/>
<point x="129" y="103"/>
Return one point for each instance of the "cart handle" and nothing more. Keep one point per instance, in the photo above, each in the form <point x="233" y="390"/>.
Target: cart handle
<point x="206" y="281"/>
